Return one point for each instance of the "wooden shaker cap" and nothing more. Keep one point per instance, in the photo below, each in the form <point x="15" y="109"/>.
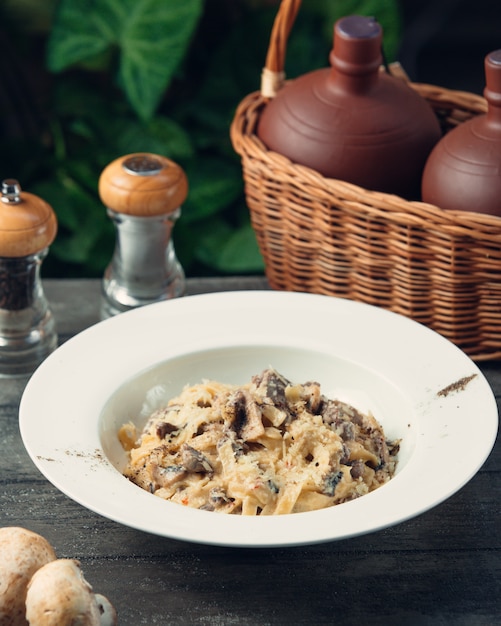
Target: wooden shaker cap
<point x="27" y="223"/>
<point x="143" y="185"/>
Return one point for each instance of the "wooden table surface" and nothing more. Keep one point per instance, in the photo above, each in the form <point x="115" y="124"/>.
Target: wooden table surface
<point x="440" y="568"/>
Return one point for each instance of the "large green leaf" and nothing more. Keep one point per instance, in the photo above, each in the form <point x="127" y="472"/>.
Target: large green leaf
<point x="160" y="135"/>
<point x="215" y="184"/>
<point x="80" y="31"/>
<point x="82" y="221"/>
<point x="151" y="37"/>
<point x="230" y="250"/>
<point x="240" y="253"/>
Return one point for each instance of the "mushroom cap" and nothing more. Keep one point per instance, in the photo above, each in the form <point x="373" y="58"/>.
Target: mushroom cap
<point x="22" y="553"/>
<point x="59" y="595"/>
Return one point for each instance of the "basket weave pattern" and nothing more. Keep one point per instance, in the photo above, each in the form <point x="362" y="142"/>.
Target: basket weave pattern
<point x="326" y="236"/>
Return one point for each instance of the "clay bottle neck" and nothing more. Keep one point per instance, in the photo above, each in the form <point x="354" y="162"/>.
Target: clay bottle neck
<point x="356" y="54"/>
<point x="492" y="91"/>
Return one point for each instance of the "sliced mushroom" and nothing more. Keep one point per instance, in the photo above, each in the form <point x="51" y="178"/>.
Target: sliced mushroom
<point x="246" y="416"/>
<point x="331" y="481"/>
<point x="166" y="476"/>
<point x="22" y="553"/>
<point x="272" y="385"/>
<point x="271" y="389"/>
<point x="194" y="461"/>
<point x="165" y="428"/>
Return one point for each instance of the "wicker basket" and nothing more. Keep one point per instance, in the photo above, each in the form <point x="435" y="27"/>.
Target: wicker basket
<point x="326" y="236"/>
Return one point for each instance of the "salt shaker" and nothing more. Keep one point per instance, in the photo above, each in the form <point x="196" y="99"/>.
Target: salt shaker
<point x="143" y="194"/>
<point x="28" y="226"/>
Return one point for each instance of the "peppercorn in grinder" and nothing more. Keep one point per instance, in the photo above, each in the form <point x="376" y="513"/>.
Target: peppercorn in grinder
<point x="28" y="226"/>
<point x="143" y="194"/>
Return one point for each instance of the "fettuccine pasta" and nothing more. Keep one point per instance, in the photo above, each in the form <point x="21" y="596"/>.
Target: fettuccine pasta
<point x="269" y="447"/>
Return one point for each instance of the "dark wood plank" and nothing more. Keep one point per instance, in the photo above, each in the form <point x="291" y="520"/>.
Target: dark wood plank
<point x="440" y="568"/>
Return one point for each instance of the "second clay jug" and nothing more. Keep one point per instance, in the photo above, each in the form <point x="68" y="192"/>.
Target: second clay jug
<point x="463" y="172"/>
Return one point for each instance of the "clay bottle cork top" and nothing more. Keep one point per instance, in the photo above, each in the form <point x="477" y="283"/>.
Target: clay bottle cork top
<point x="358" y="46"/>
<point x="492" y="91"/>
<point x="143" y="185"/>
<point x="27" y="223"/>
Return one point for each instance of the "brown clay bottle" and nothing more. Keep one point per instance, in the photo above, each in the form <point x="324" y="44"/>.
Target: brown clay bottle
<point x="463" y="172"/>
<point x="352" y="121"/>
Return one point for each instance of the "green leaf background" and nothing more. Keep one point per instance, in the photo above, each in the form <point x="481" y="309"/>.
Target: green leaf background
<point x="150" y="37"/>
<point x="114" y="77"/>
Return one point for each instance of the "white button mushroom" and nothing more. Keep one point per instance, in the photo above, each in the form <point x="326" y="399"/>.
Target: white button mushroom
<point x="22" y="553"/>
<point x="59" y="595"/>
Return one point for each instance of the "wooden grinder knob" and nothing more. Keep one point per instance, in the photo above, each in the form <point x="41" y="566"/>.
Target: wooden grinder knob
<point x="143" y="185"/>
<point x="27" y="223"/>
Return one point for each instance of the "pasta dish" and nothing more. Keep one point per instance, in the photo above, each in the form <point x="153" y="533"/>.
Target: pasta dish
<point x="268" y="447"/>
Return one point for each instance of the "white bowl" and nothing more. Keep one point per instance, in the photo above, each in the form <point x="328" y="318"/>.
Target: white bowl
<point x="402" y="372"/>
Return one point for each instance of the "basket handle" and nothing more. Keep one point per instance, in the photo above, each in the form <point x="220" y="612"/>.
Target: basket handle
<point x="273" y="75"/>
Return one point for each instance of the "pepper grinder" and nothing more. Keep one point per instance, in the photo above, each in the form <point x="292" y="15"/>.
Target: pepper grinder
<point x="143" y="194"/>
<point x="28" y="226"/>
